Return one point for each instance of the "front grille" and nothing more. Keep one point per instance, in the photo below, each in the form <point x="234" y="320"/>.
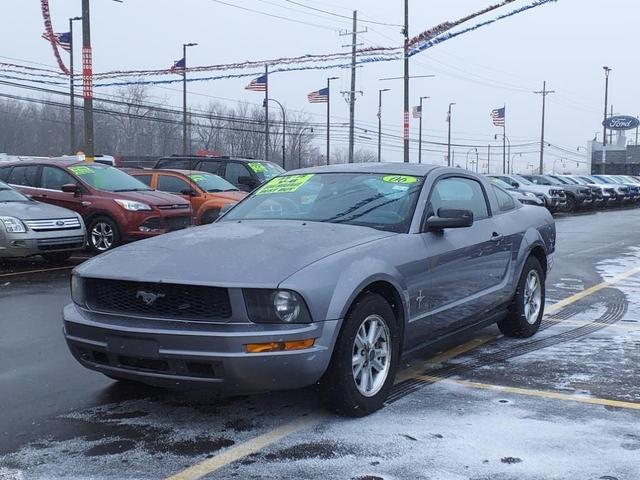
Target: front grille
<point x="61" y="243"/>
<point x="557" y="193"/>
<point x="178" y="206"/>
<point x="176" y="223"/>
<point x="53" y="224"/>
<point x="161" y="300"/>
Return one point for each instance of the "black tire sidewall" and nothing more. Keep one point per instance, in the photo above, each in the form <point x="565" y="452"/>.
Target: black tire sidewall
<point x="516" y="324"/>
<point x="114" y="227"/>
<point x="338" y="386"/>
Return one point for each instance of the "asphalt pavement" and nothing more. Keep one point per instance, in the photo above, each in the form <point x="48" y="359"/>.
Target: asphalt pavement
<point x="564" y="404"/>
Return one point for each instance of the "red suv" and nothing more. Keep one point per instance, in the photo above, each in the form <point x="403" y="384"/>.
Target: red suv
<point x="116" y="207"/>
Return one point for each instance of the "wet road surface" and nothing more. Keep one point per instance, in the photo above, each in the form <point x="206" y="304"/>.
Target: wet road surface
<point x="564" y="404"/>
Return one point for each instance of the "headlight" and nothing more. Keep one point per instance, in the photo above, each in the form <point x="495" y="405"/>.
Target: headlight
<point x="276" y="306"/>
<point x="13" y="225"/>
<point x="132" y="205"/>
<point x="77" y="290"/>
<point x="529" y="194"/>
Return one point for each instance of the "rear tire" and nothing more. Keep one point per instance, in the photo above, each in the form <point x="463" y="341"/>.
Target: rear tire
<point x="103" y="234"/>
<point x="527" y="308"/>
<point x="365" y="359"/>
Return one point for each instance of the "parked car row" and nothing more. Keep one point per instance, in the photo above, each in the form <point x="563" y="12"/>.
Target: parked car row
<point x="117" y="206"/>
<point x="569" y="193"/>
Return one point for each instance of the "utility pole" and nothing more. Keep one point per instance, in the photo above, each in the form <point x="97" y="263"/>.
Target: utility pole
<point x="351" y="95"/>
<point x="406" y="81"/>
<point x="72" y="94"/>
<point x="544" y="94"/>
<point x="611" y="131"/>
<point x="488" y="158"/>
<point x="185" y="139"/>
<point x="87" y="82"/>
<point x="603" y="167"/>
<point x="329" y="118"/>
<point x="420" y="130"/>
<point x="380" y="92"/>
<point x="449" y="135"/>
<point x="266" y="113"/>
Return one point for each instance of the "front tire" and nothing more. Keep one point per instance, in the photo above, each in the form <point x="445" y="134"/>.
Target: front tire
<point x="365" y="359"/>
<point x="527" y="308"/>
<point x="103" y="234"/>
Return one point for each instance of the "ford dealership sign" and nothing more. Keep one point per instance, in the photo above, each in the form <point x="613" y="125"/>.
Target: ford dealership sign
<point x="621" y="122"/>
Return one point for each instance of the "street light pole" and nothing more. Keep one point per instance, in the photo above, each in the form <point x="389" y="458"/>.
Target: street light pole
<point x="506" y="156"/>
<point x="603" y="168"/>
<point x="449" y="135"/>
<point x="284" y="131"/>
<point x="380" y="92"/>
<point x="72" y="94"/>
<point x="420" y="132"/>
<point x="329" y="117"/>
<point x="185" y="148"/>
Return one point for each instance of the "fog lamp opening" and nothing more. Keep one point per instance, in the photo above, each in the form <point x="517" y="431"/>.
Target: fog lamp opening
<point x="280" y="346"/>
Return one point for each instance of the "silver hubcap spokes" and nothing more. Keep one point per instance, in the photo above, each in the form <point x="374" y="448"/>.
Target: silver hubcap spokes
<point x="102" y="236"/>
<point x="532" y="297"/>
<point x="371" y="355"/>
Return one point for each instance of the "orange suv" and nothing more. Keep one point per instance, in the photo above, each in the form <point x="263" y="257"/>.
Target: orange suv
<point x="207" y="193"/>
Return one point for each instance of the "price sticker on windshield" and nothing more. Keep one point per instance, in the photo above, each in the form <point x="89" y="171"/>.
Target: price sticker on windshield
<point x="288" y="184"/>
<point x="197" y="177"/>
<point x="401" y="179"/>
<point x="257" y="167"/>
<point x="81" y="170"/>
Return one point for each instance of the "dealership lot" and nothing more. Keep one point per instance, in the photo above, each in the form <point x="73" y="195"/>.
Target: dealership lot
<point x="563" y="404"/>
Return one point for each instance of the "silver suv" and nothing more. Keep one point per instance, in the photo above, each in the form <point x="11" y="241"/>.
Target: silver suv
<point x="29" y="228"/>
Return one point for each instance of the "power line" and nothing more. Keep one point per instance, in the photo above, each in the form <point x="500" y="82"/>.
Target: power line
<point x="341" y="16"/>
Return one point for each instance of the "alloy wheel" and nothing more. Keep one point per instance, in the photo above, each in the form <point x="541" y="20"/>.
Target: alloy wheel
<point x="532" y="297"/>
<point x="102" y="236"/>
<point x="371" y="359"/>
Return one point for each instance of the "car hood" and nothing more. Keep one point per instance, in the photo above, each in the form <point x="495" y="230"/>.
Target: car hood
<point x="259" y="254"/>
<point x="151" y="197"/>
<point x="34" y="211"/>
<point x="539" y="188"/>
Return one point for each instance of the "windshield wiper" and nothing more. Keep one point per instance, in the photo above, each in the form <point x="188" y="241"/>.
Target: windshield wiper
<point x="231" y="190"/>
<point x="133" y="190"/>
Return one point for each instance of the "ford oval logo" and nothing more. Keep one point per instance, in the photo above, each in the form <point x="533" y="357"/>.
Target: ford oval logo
<point x="59" y="223"/>
<point x="621" y="122"/>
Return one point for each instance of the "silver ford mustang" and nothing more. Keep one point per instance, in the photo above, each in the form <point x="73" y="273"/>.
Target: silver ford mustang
<point x="325" y="275"/>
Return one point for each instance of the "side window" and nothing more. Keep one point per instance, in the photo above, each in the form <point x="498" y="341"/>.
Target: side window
<point x="54" y="178"/>
<point x="146" y="179"/>
<point x="171" y="184"/>
<point x="460" y="194"/>
<point x="24" y="175"/>
<point x="234" y="171"/>
<point x="4" y="173"/>
<point x="210" y="167"/>
<point x="505" y="201"/>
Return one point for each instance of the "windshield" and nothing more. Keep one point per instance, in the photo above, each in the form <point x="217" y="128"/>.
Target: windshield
<point x="107" y="178"/>
<point x="595" y="180"/>
<point x="522" y="180"/>
<point x="266" y="170"/>
<point x="211" y="183"/>
<point x="384" y="202"/>
<point x="502" y="184"/>
<point x="8" y="194"/>
<point x="566" y="181"/>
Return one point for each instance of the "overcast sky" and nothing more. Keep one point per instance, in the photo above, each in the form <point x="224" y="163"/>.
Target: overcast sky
<point x="565" y="43"/>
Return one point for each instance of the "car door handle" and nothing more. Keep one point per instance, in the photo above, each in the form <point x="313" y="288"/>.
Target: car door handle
<point x="497" y="237"/>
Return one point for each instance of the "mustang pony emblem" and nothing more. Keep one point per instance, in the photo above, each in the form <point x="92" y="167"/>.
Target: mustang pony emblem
<point x="149" y="298"/>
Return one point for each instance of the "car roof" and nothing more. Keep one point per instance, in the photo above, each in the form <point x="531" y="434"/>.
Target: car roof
<point x="196" y="158"/>
<point x="395" y="168"/>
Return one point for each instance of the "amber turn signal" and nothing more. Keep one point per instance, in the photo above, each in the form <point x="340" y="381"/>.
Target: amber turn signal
<point x="280" y="346"/>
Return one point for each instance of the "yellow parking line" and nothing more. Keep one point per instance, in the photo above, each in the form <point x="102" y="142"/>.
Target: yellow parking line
<point x="247" y="448"/>
<point x="536" y="393"/>
<point x="13" y="274"/>
<point x="269" y="438"/>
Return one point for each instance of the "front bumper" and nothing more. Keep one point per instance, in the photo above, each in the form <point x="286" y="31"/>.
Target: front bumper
<point x="183" y="354"/>
<point x="20" y="245"/>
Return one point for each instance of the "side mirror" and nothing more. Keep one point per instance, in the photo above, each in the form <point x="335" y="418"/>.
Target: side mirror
<point x="71" y="188"/>
<point x="249" y="182"/>
<point x="450" y="218"/>
<point x="189" y="192"/>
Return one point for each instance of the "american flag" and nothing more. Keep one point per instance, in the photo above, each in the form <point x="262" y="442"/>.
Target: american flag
<point x="417" y="112"/>
<point x="62" y="39"/>
<point x="320" y="96"/>
<point x="498" y="116"/>
<point x="258" y="84"/>
<point x="178" y="66"/>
